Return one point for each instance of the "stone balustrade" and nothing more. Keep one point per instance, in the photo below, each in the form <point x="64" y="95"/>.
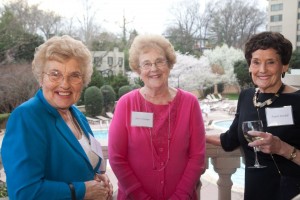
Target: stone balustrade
<point x="224" y="163"/>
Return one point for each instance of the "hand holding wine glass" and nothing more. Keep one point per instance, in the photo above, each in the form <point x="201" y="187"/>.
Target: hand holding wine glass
<point x="253" y="126"/>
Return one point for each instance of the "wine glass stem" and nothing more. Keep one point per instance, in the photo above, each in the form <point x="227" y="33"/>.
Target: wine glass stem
<point x="256" y="159"/>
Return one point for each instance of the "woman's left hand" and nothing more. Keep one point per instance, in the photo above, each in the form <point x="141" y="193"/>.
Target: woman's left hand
<point x="104" y="178"/>
<point x="267" y="144"/>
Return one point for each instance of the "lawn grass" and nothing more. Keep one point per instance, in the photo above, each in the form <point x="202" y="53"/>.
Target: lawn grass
<point x="231" y="96"/>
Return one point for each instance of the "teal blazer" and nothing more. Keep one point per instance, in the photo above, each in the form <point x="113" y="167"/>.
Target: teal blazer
<point x="41" y="155"/>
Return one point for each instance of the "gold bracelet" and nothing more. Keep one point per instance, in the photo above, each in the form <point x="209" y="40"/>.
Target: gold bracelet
<point x="293" y="154"/>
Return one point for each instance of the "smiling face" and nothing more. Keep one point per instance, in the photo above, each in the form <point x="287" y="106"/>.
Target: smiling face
<point x="266" y="68"/>
<point x="155" y="77"/>
<point x="61" y="94"/>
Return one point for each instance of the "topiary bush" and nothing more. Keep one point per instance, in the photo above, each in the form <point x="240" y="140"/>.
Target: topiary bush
<point x="93" y="101"/>
<point x="123" y="90"/>
<point x="3" y="119"/>
<point x="135" y="86"/>
<point x="3" y="190"/>
<point x="109" y="97"/>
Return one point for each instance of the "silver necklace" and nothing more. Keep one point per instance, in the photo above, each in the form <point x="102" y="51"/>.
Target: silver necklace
<point x="76" y="125"/>
<point x="151" y="141"/>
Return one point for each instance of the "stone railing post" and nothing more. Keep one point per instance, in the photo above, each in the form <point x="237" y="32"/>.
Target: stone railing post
<point x="225" y="167"/>
<point x="225" y="164"/>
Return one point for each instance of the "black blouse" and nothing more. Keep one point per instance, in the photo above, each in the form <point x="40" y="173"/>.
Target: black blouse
<point x="264" y="183"/>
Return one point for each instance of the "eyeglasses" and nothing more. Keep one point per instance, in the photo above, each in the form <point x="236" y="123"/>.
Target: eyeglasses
<point x="158" y="63"/>
<point x="57" y="77"/>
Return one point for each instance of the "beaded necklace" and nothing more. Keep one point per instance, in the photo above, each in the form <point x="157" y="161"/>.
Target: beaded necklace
<point x="268" y="101"/>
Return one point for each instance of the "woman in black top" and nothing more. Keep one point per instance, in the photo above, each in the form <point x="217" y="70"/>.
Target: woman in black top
<point x="278" y="106"/>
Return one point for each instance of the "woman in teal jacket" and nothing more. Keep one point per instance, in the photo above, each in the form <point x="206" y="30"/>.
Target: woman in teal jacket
<point x="48" y="150"/>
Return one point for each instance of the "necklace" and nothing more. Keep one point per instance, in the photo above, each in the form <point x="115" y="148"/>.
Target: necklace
<point x="268" y="101"/>
<point x="76" y="125"/>
<point x="168" y="144"/>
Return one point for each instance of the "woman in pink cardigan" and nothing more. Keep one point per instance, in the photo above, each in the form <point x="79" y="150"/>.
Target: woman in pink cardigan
<point x="156" y="138"/>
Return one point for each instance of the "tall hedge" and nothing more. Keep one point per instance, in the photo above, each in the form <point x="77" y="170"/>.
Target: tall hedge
<point x="93" y="101"/>
<point x="109" y="97"/>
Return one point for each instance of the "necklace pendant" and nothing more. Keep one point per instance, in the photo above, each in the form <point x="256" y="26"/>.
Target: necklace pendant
<point x="269" y="102"/>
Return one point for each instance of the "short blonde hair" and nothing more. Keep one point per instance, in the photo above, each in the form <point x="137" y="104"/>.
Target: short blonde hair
<point x="143" y="43"/>
<point x="62" y="49"/>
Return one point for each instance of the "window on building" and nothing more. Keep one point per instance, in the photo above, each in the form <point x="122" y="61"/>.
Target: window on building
<point x="276" y="7"/>
<point x="110" y="61"/>
<point x="276" y="18"/>
<point x="298" y="38"/>
<point x="120" y="61"/>
<point x="98" y="61"/>
<point x="298" y="15"/>
<point x="298" y="4"/>
<point x="276" y="28"/>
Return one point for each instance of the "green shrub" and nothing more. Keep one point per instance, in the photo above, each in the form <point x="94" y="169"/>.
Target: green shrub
<point x="135" y="86"/>
<point x="109" y="97"/>
<point x="93" y="101"/>
<point x="3" y="119"/>
<point x="3" y="190"/>
<point x="124" y="89"/>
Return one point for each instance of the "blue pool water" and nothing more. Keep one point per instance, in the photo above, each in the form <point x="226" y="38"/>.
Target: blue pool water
<point x="237" y="178"/>
<point x="224" y="124"/>
<point x="100" y="134"/>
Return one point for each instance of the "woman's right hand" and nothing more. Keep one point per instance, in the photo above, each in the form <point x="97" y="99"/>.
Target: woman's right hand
<point x="96" y="190"/>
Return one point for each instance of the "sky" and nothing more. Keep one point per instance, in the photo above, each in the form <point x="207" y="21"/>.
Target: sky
<point x="146" y="16"/>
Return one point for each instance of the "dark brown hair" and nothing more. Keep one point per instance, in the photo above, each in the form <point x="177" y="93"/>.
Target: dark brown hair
<point x="267" y="40"/>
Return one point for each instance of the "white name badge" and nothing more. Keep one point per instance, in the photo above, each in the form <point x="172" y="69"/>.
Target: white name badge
<point x="142" y="119"/>
<point x="279" y="116"/>
<point x="96" y="147"/>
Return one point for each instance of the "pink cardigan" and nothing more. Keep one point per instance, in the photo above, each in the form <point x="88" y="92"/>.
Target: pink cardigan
<point x="131" y="157"/>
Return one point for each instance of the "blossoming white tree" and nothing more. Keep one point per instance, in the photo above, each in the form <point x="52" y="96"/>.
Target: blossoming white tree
<point x="190" y="73"/>
<point x="215" y="66"/>
<point x="221" y="60"/>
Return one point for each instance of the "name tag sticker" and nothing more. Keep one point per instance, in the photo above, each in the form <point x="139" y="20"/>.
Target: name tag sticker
<point x="142" y="119"/>
<point x="279" y="116"/>
<point x="96" y="147"/>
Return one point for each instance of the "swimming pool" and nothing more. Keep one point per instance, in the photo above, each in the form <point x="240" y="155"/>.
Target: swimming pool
<point x="101" y="134"/>
<point x="222" y="124"/>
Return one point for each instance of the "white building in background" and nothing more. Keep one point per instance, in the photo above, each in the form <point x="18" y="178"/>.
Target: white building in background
<point x="293" y="78"/>
<point x="109" y="62"/>
<point x="284" y="17"/>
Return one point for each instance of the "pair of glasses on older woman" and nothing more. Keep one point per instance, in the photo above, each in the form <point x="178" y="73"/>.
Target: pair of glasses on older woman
<point x="160" y="63"/>
<point x="57" y="77"/>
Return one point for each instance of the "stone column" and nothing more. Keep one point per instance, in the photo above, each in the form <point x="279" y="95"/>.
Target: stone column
<point x="225" y="167"/>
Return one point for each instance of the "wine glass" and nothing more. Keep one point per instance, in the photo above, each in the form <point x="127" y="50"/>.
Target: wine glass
<point x="253" y="126"/>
